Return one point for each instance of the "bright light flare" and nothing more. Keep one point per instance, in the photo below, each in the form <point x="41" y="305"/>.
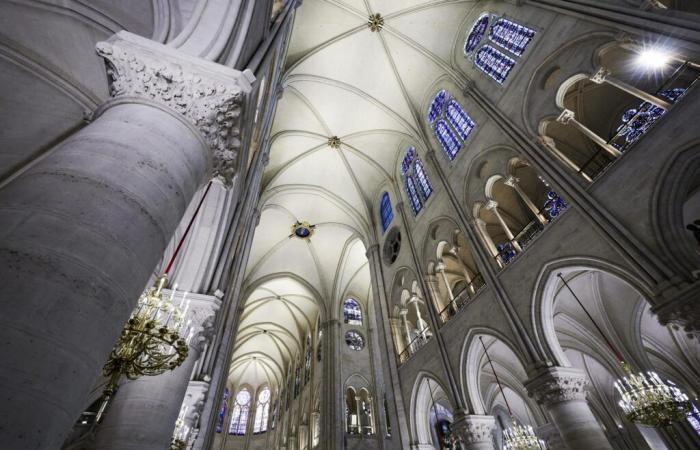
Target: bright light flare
<point x="653" y="58"/>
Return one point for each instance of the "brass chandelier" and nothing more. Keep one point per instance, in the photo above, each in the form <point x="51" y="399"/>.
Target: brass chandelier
<point x="156" y="337"/>
<point x="181" y="433"/>
<point x="516" y="437"/>
<point x="645" y="398"/>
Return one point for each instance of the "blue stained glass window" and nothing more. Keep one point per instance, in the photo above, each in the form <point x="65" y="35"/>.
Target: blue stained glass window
<point x="459" y="119"/>
<point x="694" y="419"/>
<point x="476" y="34"/>
<point x="448" y="140"/>
<point x="511" y="36"/>
<point x="436" y="106"/>
<point x="494" y="63"/>
<point x="385" y="211"/>
<point x="352" y="313"/>
<point x="423" y="181"/>
<point x="416" y="204"/>
<point x="407" y="160"/>
<point x="222" y="412"/>
<point x="239" y="414"/>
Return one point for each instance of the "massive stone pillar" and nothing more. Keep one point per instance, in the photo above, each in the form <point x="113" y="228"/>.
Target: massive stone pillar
<point x="143" y="413"/>
<point x="475" y="432"/>
<point x="562" y="392"/>
<point x="82" y="229"/>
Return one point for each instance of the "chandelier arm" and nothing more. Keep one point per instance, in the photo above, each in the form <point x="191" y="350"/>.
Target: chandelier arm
<point x="187" y="230"/>
<point x="510" y="412"/>
<point x="610" y="345"/>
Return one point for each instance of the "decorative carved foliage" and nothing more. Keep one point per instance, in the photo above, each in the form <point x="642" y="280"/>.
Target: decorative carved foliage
<point x="558" y="385"/>
<point x="209" y="97"/>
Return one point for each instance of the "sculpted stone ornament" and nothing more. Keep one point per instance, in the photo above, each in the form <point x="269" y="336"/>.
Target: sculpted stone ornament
<point x="558" y="384"/>
<point x="474" y="429"/>
<point x="209" y="95"/>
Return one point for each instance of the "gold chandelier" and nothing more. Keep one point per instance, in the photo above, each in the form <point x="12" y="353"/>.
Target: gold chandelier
<point x="519" y="437"/>
<point x="182" y="431"/>
<point x="645" y="398"/>
<point x="151" y="342"/>
<point x="648" y="400"/>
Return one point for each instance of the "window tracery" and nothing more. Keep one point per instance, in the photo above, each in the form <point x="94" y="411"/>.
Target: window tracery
<point x="354" y="340"/>
<point x="450" y="123"/>
<point x="413" y="171"/>
<point x="387" y="214"/>
<point x="506" y="34"/>
<point x="239" y="414"/>
<point x="352" y="313"/>
<point x="262" y="410"/>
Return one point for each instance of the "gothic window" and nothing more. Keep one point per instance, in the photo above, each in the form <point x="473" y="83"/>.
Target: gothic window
<point x="494" y="63"/>
<point x="222" y="412"/>
<point x="511" y="36"/>
<point x="354" y="340"/>
<point x="412" y="171"/>
<point x="262" y="410"/>
<point x="506" y="34"/>
<point x="416" y="204"/>
<point x="307" y="360"/>
<point x="297" y="380"/>
<point x="352" y="313"/>
<point x="451" y="125"/>
<point x="275" y="412"/>
<point x="423" y="181"/>
<point x="694" y="419"/>
<point x="385" y="211"/>
<point x="319" y="346"/>
<point x="239" y="413"/>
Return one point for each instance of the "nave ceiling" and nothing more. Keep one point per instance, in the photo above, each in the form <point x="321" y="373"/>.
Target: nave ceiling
<point x="370" y="89"/>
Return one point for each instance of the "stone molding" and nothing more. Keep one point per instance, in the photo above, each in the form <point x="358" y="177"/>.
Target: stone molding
<point x="209" y="95"/>
<point x="474" y="429"/>
<point x="558" y="384"/>
<point x="202" y="313"/>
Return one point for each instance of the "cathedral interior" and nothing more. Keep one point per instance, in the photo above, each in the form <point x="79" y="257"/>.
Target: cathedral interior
<point x="349" y="224"/>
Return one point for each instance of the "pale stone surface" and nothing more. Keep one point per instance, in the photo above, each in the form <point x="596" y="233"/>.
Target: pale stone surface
<point x="475" y="431"/>
<point x="81" y="232"/>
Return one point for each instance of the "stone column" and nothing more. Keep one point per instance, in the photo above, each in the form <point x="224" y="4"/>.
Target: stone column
<point x="143" y="413"/>
<point x="512" y="181"/>
<point x="603" y="76"/>
<point x="492" y="206"/>
<point x="406" y="328"/>
<point x="561" y="391"/>
<point x="84" y="227"/>
<point x="420" y="324"/>
<point x="548" y="143"/>
<point x="468" y="275"/>
<point x="474" y="431"/>
<point x="440" y="268"/>
<point x="480" y="226"/>
<point x="567" y="117"/>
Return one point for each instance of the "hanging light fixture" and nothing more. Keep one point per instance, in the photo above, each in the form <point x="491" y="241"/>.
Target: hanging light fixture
<point x="645" y="398"/>
<point x="181" y="433"/>
<point x="516" y="437"/>
<point x="156" y="337"/>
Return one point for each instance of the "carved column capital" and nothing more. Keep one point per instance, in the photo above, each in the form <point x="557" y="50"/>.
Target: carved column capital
<point x="511" y="181"/>
<point x="201" y="315"/>
<point x="209" y="95"/>
<point x="473" y="429"/>
<point x="600" y="76"/>
<point x="491" y="205"/>
<point x="566" y="116"/>
<point x="558" y="384"/>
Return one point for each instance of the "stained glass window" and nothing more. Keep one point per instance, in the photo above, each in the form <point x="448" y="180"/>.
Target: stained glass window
<point x="449" y="142"/>
<point x="297" y="380"/>
<point x="436" y="106"/>
<point x="416" y="204"/>
<point x="694" y="419"/>
<point x="494" y="63"/>
<point x="262" y="410"/>
<point x="511" y="36"/>
<point x="222" y="411"/>
<point x="408" y="160"/>
<point x="352" y="313"/>
<point x="239" y="414"/>
<point x="319" y="346"/>
<point x="460" y="120"/>
<point x="275" y="412"/>
<point x="476" y="34"/>
<point x="307" y="360"/>
<point x="386" y="211"/>
<point x="354" y="340"/>
<point x="423" y="181"/>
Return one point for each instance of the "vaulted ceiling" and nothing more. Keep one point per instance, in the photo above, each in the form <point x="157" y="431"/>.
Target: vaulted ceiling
<point x="371" y="90"/>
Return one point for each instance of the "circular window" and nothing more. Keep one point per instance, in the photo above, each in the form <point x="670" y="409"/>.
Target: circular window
<point x="354" y="340"/>
<point x="392" y="246"/>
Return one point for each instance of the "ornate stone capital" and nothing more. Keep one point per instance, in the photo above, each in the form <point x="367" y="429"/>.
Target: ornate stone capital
<point x="511" y="181"/>
<point x="600" y="76"/>
<point x="209" y="95"/>
<point x="473" y="429"/>
<point x="566" y="116"/>
<point x="491" y="205"/>
<point x="558" y="384"/>
<point x="679" y="310"/>
<point x="201" y="315"/>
